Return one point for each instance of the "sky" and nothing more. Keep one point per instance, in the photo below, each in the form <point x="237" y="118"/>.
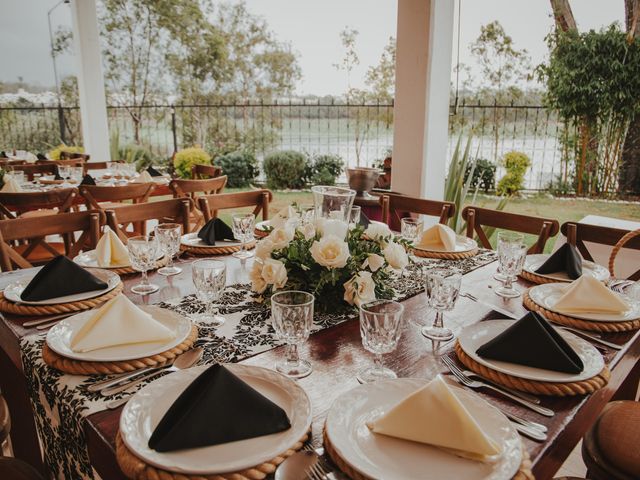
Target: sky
<point x="312" y="29"/>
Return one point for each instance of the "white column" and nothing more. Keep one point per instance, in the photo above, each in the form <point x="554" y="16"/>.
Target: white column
<point x="93" y="104"/>
<point x="421" y="112"/>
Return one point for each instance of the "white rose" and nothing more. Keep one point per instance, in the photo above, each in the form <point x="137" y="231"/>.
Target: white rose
<point x="257" y="282"/>
<point x="374" y="262"/>
<point x="264" y="248"/>
<point x="280" y="237"/>
<point x="377" y="231"/>
<point x="330" y="252"/>
<point x="396" y="255"/>
<point x="360" y="289"/>
<point x="274" y="273"/>
<point x="308" y="231"/>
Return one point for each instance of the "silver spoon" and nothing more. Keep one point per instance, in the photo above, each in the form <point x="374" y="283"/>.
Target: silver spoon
<point x="186" y="360"/>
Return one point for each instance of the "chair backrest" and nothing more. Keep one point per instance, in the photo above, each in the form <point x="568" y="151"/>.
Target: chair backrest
<point x="189" y="188"/>
<point x="136" y="192"/>
<point x="175" y="210"/>
<point x="579" y="233"/>
<point x="74" y="155"/>
<point x="396" y="206"/>
<point x="260" y="199"/>
<point x="205" y="171"/>
<point x="477" y="218"/>
<point x="64" y="163"/>
<point x="8" y="163"/>
<point x="98" y="165"/>
<point x="14" y="204"/>
<point x="39" y="228"/>
<point x="29" y="170"/>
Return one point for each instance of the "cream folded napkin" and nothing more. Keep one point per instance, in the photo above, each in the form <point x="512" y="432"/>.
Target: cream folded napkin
<point x="588" y="295"/>
<point x="434" y="415"/>
<point x="110" y="251"/>
<point x="119" y="322"/>
<point x="11" y="186"/>
<point x="144" y="177"/>
<point x="281" y="218"/>
<point x="438" y="237"/>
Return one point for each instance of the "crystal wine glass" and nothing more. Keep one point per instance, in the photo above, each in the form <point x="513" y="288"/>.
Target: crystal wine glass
<point x="380" y="322"/>
<point x="354" y="216"/>
<point x="243" y="225"/>
<point x="442" y="287"/>
<point x="410" y="228"/>
<point x="511" y="258"/>
<point x="292" y="318"/>
<point x="168" y="235"/>
<point x="143" y="251"/>
<point x="506" y="237"/>
<point x="209" y="278"/>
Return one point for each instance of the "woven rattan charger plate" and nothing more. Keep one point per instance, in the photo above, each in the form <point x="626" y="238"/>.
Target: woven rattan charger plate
<point x="79" y="367"/>
<point x="535" y="278"/>
<point x="7" y="306"/>
<point x="606" y="327"/>
<point x="130" y="270"/>
<point x="524" y="473"/>
<point x="136" y="468"/>
<point x="213" y="250"/>
<point x="445" y="255"/>
<point x="554" y="389"/>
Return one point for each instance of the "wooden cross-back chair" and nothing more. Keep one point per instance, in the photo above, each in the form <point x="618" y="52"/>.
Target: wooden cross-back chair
<point x="4" y="163"/>
<point x="260" y="199"/>
<point x="101" y="197"/>
<point x="477" y="218"/>
<point x="579" y="233"/>
<point x="62" y="163"/>
<point x="191" y="188"/>
<point x="175" y="211"/>
<point x="395" y="207"/>
<point x="74" y="155"/>
<point x="29" y="204"/>
<point x="82" y="227"/>
<point x="98" y="165"/>
<point x="30" y="170"/>
<point x="199" y="172"/>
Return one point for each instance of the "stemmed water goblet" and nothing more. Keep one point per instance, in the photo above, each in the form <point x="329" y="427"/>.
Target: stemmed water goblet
<point x="511" y="258"/>
<point x="410" y="228"/>
<point x="380" y="323"/>
<point x="168" y="235"/>
<point x="143" y="251"/>
<point x="442" y="287"/>
<point x="506" y="237"/>
<point x="243" y="226"/>
<point x="209" y="278"/>
<point x="292" y="318"/>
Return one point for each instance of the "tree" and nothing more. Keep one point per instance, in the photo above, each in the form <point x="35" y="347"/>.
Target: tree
<point x="503" y="68"/>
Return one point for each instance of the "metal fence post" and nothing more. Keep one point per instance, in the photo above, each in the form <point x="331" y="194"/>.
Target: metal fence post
<point x="61" y="123"/>
<point x="173" y="129"/>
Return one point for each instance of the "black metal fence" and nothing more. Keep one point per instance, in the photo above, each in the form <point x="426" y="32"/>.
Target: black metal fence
<point x="360" y="133"/>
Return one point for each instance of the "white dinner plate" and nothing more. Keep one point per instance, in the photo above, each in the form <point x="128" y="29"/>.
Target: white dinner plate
<point x="192" y="240"/>
<point x="60" y="335"/>
<point x="533" y="262"/>
<point x="548" y="294"/>
<point x="146" y="408"/>
<point x="463" y="244"/>
<point x="12" y="292"/>
<point x="474" y="336"/>
<point x="381" y="456"/>
<point x="263" y="226"/>
<point x="88" y="259"/>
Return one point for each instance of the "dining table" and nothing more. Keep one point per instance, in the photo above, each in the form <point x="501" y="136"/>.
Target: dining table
<point x="336" y="353"/>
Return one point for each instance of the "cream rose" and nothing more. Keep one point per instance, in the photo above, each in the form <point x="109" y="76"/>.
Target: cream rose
<point x="257" y="282"/>
<point x="360" y="289"/>
<point x="377" y="231"/>
<point x="274" y="273"/>
<point x="307" y="230"/>
<point x="264" y="248"/>
<point x="330" y="252"/>
<point x="396" y="255"/>
<point x="374" y="262"/>
<point x="280" y="237"/>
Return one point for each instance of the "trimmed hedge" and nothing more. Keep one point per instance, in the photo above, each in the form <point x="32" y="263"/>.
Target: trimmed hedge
<point x="241" y="168"/>
<point x="285" y="169"/>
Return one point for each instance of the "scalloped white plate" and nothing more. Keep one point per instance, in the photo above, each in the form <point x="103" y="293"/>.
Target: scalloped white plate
<point x="192" y="240"/>
<point x="463" y="244"/>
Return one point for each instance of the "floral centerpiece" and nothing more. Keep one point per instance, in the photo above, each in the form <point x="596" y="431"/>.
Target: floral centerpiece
<point x="341" y="266"/>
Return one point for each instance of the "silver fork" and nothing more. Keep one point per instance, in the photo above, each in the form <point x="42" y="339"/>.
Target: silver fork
<point x="517" y="393"/>
<point x="467" y="382"/>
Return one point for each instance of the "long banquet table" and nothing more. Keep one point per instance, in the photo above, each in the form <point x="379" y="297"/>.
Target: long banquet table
<point x="337" y="354"/>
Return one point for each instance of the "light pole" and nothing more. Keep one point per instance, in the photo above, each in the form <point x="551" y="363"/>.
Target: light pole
<point x="55" y="69"/>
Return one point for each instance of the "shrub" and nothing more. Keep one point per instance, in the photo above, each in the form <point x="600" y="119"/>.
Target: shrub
<point x="285" y="169"/>
<point x="324" y="169"/>
<point x="484" y="175"/>
<point x="516" y="164"/>
<point x="241" y="168"/>
<point x="185" y="159"/>
<point x="54" y="154"/>
<point x="137" y="154"/>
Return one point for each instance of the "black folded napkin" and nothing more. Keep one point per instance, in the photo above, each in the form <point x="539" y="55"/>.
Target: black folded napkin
<point x="58" y="278"/>
<point x="531" y="341"/>
<point x="87" y="180"/>
<point x="57" y="177"/>
<point x="565" y="259"/>
<point x="364" y="220"/>
<point x="217" y="407"/>
<point x="215" y="229"/>
<point x="3" y="154"/>
<point x="153" y="172"/>
<point x="41" y="156"/>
